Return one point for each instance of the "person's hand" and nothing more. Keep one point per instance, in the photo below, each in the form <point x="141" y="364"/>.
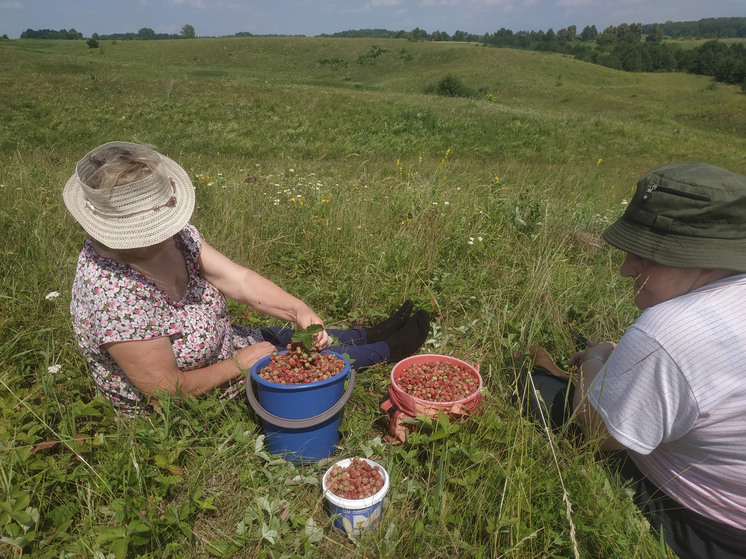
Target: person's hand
<point x="253" y="353"/>
<point x="305" y="319"/>
<point x="602" y="350"/>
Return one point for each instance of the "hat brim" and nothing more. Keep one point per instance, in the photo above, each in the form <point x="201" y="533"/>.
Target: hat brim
<point x="141" y="229"/>
<point x="677" y="251"/>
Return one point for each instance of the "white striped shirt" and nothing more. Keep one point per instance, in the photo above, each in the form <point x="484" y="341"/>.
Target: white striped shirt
<point x="674" y="393"/>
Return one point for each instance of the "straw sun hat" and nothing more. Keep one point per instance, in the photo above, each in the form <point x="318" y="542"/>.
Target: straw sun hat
<point x="134" y="215"/>
<point x="686" y="215"/>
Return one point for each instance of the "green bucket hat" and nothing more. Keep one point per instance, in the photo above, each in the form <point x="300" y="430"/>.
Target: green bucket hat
<point x="686" y="215"/>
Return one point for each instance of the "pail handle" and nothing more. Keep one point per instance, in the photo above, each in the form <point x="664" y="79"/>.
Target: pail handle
<point x="306" y="422"/>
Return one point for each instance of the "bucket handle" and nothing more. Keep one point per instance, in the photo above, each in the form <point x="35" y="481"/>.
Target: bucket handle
<point x="304" y="423"/>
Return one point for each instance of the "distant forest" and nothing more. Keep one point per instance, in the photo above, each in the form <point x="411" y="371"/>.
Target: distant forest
<point x="632" y="47"/>
<point x="144" y="34"/>
<point x="710" y="28"/>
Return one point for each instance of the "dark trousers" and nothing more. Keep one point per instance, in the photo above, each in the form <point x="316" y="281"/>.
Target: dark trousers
<point x="688" y="534"/>
<point x="352" y="342"/>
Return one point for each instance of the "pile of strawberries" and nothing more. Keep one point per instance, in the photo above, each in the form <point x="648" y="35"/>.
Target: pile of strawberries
<point x="297" y="366"/>
<point x="437" y="381"/>
<point x="357" y="481"/>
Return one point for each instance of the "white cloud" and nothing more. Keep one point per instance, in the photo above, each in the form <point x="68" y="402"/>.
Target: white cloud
<point x="197" y="4"/>
<point x="11" y="5"/>
<point x="384" y="3"/>
<point x="574" y="3"/>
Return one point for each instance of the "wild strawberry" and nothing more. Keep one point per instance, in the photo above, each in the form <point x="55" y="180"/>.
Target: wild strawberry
<point x="437" y="381"/>
<point x="356" y="481"/>
<point x="296" y="367"/>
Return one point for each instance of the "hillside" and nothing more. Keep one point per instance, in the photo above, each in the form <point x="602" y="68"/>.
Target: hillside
<point x="329" y="89"/>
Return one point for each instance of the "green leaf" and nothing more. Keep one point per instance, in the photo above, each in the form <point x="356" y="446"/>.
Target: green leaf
<point x="305" y="336"/>
<point x="63" y="513"/>
<point x="87" y="410"/>
<point x="20" y="541"/>
<point x="206" y="504"/>
<point x="314" y="532"/>
<point x="221" y="548"/>
<point x="268" y="534"/>
<point x="138" y="527"/>
<point x="120" y="547"/>
<point x="437" y="435"/>
<point x="108" y="535"/>
<point x="21" y="516"/>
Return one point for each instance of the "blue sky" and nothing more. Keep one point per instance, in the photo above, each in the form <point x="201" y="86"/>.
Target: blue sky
<point x="313" y="17"/>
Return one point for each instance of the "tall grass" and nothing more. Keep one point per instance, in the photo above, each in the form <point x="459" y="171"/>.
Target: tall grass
<point x="329" y="170"/>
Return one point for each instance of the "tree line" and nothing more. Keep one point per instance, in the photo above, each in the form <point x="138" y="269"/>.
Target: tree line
<point x="51" y="34"/>
<point x="144" y="34"/>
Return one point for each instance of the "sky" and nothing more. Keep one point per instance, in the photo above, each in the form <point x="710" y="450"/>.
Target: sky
<point x="315" y="17"/>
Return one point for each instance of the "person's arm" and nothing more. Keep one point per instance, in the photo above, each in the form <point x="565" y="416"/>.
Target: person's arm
<point x="246" y="286"/>
<point x="591" y="361"/>
<point x="151" y="366"/>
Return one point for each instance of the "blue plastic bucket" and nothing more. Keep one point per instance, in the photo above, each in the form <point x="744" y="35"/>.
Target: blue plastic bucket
<point x="301" y="421"/>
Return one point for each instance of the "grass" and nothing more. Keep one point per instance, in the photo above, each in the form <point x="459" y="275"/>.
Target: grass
<point x="322" y="164"/>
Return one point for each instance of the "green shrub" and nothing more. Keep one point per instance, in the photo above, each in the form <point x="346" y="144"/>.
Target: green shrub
<point x="451" y="86"/>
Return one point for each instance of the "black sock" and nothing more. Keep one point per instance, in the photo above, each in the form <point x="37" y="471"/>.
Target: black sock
<point x="391" y="325"/>
<point x="411" y="336"/>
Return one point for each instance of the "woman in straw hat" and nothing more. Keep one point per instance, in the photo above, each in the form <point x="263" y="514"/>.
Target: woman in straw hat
<point x="149" y="305"/>
<point x="670" y="397"/>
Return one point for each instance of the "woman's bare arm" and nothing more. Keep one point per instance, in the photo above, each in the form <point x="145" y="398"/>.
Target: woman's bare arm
<point x="151" y="366"/>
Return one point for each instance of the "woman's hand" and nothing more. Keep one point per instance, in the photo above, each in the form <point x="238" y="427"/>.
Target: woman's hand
<point x="251" y="354"/>
<point x="305" y="318"/>
<point x="585" y="414"/>
<point x="602" y="350"/>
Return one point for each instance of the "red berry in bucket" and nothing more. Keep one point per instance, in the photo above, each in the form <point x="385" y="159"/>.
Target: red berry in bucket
<point x="437" y="381"/>
<point x="298" y="367"/>
<point x="358" y="480"/>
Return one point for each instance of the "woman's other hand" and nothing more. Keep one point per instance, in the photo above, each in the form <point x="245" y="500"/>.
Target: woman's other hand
<point x="251" y="354"/>
<point x="602" y="350"/>
<point x="151" y="366"/>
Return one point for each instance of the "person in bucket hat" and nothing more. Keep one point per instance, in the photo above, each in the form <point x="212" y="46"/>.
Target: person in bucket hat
<point x="670" y="397"/>
<point x="148" y="306"/>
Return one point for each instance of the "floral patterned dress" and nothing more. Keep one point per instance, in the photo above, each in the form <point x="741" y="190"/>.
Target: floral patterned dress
<point x="112" y="302"/>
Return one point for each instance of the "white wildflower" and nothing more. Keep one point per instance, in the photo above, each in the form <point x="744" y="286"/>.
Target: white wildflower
<point x="54" y="369"/>
<point x="52" y="295"/>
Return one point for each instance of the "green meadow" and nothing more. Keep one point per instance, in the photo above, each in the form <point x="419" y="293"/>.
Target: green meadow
<point x="326" y="165"/>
